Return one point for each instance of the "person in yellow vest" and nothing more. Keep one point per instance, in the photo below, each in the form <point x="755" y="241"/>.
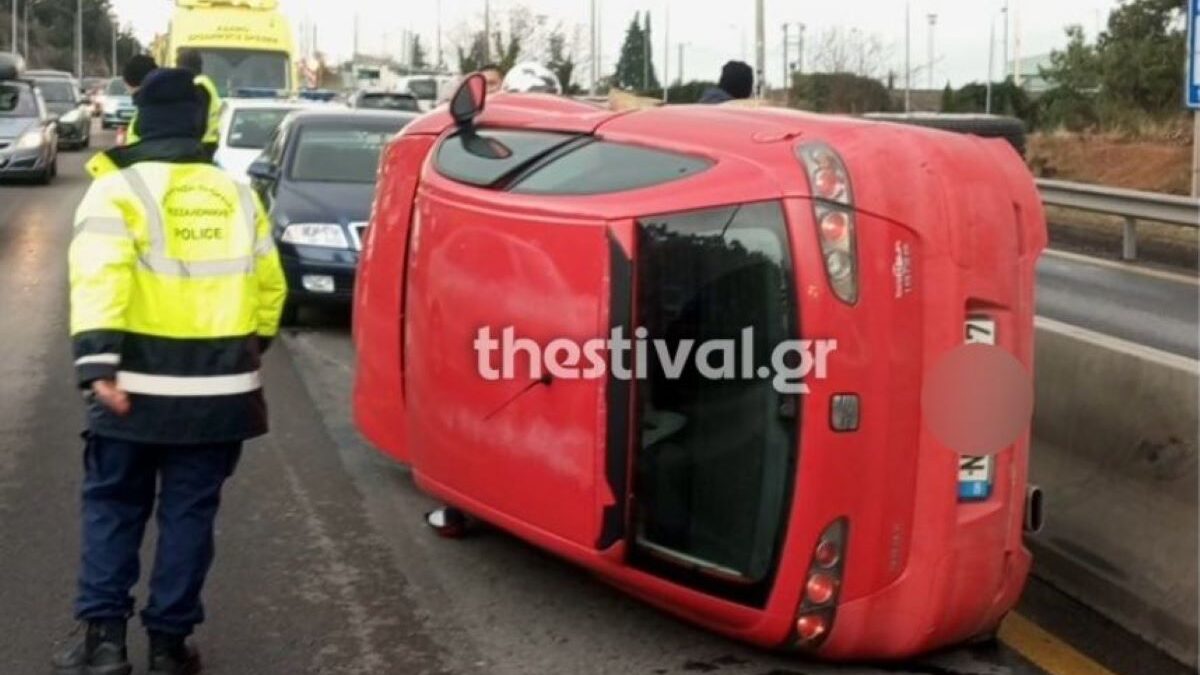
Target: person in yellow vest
<point x="176" y="292"/>
<point x="190" y="59"/>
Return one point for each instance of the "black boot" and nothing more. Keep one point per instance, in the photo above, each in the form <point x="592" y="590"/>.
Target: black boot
<point x="101" y="651"/>
<point x="172" y="655"/>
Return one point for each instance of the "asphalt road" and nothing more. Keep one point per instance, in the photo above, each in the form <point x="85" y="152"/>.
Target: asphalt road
<point x="1146" y="307"/>
<point x="323" y="564"/>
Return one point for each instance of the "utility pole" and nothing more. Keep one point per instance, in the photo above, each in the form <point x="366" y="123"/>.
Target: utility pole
<point x="932" y="27"/>
<point x="78" y="39"/>
<point x="907" y="57"/>
<point x="760" y="48"/>
<point x="14" y="28"/>
<point x="440" y="64"/>
<point x="1016" y="65"/>
<point x="666" y="81"/>
<point x="680" y="68"/>
<point x="115" y="32"/>
<point x="991" y="64"/>
<point x="786" y="43"/>
<point x="25" y="24"/>
<point x="595" y="61"/>
<point x="487" y="31"/>
<point x="1004" y="11"/>
<point x="800" y="47"/>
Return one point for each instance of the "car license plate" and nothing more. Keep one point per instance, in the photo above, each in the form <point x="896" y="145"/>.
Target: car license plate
<point x="975" y="473"/>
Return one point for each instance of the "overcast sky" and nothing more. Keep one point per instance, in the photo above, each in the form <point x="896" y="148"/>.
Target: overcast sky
<point x="713" y="30"/>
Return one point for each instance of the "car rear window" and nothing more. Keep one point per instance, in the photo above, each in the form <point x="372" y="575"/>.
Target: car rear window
<point x="456" y="161"/>
<point x="601" y="167"/>
<point x="16" y="101"/>
<point x="343" y="154"/>
<point x="389" y="102"/>
<point x="252" y="128"/>
<point x="58" y="91"/>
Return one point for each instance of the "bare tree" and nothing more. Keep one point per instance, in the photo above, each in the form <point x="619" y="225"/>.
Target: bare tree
<point x="849" y="50"/>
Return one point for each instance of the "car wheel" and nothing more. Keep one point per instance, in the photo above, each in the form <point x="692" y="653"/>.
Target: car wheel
<point x="87" y="140"/>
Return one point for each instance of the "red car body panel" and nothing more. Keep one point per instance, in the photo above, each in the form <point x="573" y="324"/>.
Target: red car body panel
<point x="442" y="258"/>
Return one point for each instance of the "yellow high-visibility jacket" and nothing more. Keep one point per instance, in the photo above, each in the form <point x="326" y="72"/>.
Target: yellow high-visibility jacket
<point x="212" y="131"/>
<point x="176" y="288"/>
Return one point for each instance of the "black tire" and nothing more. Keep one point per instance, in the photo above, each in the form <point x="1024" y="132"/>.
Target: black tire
<point x="86" y="142"/>
<point x="1010" y="129"/>
<point x="291" y="314"/>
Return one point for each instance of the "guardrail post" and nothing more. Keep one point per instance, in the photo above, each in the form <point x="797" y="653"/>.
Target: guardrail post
<point x="1129" y="240"/>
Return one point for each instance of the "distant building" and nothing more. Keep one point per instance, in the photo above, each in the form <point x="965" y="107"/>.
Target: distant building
<point x="1031" y="75"/>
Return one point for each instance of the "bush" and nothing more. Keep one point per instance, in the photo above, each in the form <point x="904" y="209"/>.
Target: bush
<point x="838" y="93"/>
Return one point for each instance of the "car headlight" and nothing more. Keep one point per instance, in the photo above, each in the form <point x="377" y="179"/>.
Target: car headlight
<point x="70" y="117"/>
<point x="29" y="140"/>
<point x="327" y="235"/>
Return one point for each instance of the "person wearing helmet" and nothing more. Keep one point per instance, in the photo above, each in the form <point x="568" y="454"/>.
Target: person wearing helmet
<point x="531" y="78"/>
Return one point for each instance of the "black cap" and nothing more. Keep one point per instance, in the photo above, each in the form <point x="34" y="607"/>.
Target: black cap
<point x="737" y="79"/>
<point x="137" y="68"/>
<point x="169" y="105"/>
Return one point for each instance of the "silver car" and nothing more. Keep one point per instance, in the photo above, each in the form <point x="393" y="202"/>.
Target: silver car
<point x="28" y="133"/>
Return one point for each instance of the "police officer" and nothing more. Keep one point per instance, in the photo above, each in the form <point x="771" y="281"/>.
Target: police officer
<point x="190" y="59"/>
<point x="176" y="290"/>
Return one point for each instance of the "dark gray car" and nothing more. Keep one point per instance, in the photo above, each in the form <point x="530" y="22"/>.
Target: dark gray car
<point x="65" y="103"/>
<point x="28" y="133"/>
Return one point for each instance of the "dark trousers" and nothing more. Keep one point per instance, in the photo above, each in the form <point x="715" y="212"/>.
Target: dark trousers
<point x="119" y="484"/>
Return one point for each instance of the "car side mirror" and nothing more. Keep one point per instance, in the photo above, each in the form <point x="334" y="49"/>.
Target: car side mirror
<point x="467" y="102"/>
<point x="262" y="169"/>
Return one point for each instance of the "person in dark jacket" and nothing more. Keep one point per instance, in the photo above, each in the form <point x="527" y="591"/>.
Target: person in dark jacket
<point x="176" y="290"/>
<point x="737" y="82"/>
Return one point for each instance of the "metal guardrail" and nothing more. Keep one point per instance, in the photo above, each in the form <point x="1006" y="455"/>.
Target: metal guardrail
<point x="1132" y="205"/>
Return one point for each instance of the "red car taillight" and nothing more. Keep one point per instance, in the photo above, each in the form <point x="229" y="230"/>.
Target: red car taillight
<point x="822" y="586"/>
<point x="833" y="210"/>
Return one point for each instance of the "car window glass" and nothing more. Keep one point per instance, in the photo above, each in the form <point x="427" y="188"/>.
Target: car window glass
<point x="116" y="87"/>
<point x="455" y="161"/>
<point x="602" y="167"/>
<point x="16" y="101"/>
<point x="252" y="128"/>
<point x="339" y="154"/>
<point x="57" y="91"/>
<point x="233" y="69"/>
<point x="425" y="89"/>
<point x="389" y="102"/>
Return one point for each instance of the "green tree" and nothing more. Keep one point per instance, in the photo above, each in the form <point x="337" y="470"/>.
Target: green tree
<point x="1139" y="56"/>
<point x="474" y="55"/>
<point x="635" y="68"/>
<point x="1074" y="76"/>
<point x="560" y="62"/>
<point x="948" y="101"/>
<point x="417" y="58"/>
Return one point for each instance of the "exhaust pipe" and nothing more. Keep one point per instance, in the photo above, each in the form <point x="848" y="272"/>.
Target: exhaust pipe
<point x="1034" y="509"/>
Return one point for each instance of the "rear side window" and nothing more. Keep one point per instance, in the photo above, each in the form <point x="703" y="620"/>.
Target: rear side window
<point x="601" y="167"/>
<point x="17" y="101"/>
<point x="456" y="161"/>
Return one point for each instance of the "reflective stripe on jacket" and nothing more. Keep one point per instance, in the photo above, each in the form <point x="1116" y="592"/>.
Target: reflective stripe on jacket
<point x="131" y="131"/>
<point x="176" y="286"/>
<point x="212" y="130"/>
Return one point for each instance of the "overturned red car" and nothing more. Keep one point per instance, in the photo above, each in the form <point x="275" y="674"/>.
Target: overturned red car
<point x="824" y="517"/>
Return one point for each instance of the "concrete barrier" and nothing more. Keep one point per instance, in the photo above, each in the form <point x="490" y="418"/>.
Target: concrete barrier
<point x="1115" y="427"/>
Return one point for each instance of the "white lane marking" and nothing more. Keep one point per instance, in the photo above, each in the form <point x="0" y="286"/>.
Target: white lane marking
<point x="1124" y="267"/>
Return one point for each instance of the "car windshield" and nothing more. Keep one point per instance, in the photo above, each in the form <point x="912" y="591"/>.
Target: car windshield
<point x="233" y="69"/>
<point x="423" y="89"/>
<point x="389" y="102"/>
<point x="340" y="154"/>
<point x="116" y="87"/>
<point x="57" y="91"/>
<point x="252" y="128"/>
<point x="16" y="101"/>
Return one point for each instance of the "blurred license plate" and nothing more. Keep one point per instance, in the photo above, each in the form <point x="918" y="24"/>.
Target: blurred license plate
<point x="975" y="473"/>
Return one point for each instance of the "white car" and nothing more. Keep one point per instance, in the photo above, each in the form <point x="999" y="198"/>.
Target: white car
<point x="246" y="126"/>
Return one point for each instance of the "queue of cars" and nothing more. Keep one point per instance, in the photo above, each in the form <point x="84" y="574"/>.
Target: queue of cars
<point x="28" y="128"/>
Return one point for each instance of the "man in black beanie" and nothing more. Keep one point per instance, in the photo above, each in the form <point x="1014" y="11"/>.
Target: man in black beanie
<point x="737" y="82"/>
<point x="136" y="69"/>
<point x="176" y="290"/>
